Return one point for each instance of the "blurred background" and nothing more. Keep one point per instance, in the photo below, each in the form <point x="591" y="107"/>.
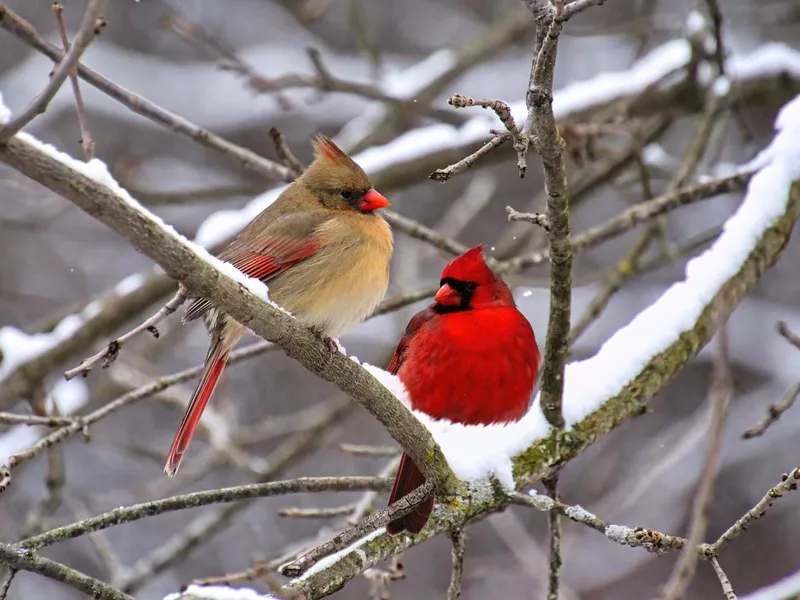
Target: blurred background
<point x="201" y="59"/>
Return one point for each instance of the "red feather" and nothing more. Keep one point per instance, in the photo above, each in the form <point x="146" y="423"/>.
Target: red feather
<point x="260" y="258"/>
<point x="324" y="146"/>
<point x="476" y="366"/>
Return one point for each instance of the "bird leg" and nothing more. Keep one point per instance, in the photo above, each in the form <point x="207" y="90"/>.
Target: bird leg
<point x="329" y="341"/>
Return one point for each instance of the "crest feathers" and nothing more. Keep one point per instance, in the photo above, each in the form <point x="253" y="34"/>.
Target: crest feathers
<point x="325" y="148"/>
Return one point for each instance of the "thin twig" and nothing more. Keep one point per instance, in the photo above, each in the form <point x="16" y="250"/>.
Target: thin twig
<point x="789" y="482"/>
<point x="503" y="112"/>
<point x="720" y="394"/>
<point x="466" y="162"/>
<point x="107" y="356"/>
<point x="727" y="588"/>
<point x="91" y="25"/>
<point x="363" y="450"/>
<point x="16" y="25"/>
<point x="457" y="573"/>
<point x="774" y="413"/>
<point x="790" y="335"/>
<point x="25" y="560"/>
<point x="402" y="507"/>
<point x="87" y="143"/>
<point x="539" y="219"/>
<point x="316" y="513"/>
<point x="554" y="536"/>
<point x="285" y="154"/>
<point x="136" y="512"/>
<point x="47" y="421"/>
<point x="6" y="583"/>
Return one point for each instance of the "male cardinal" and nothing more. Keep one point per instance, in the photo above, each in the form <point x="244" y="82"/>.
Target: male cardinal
<point x="324" y="252"/>
<point x="470" y="357"/>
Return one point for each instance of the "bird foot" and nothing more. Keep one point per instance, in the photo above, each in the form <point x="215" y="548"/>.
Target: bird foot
<point x="332" y="346"/>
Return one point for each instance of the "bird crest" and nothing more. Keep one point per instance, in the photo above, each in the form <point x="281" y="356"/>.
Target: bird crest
<point x="325" y="148"/>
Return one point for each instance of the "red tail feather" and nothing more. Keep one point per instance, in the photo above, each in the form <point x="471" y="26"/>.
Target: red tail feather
<point x="215" y="364"/>
<point x="408" y="479"/>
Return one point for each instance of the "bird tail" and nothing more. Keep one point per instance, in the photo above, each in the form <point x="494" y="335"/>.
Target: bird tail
<point x="212" y="369"/>
<point x="409" y="478"/>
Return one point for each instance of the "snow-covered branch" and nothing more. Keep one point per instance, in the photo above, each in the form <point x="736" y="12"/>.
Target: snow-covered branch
<point x="90" y="187"/>
<point x="605" y="390"/>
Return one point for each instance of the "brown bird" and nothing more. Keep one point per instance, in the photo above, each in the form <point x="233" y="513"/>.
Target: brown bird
<point x="324" y="253"/>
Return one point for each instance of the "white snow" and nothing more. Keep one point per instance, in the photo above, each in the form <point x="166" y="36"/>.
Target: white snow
<point x="334" y="558"/>
<point x="695" y="22"/>
<point x="788" y="587"/>
<point x="219" y="592"/>
<point x="474" y="452"/>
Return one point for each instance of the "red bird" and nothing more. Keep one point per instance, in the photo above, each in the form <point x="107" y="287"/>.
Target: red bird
<point x="324" y="252"/>
<point x="470" y="357"/>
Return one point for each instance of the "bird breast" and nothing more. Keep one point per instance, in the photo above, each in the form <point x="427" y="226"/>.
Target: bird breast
<point x="343" y="283"/>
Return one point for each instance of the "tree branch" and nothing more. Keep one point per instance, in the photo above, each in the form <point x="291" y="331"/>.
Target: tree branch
<point x="90" y="26"/>
<point x="25" y="560"/>
<point x="182" y="262"/>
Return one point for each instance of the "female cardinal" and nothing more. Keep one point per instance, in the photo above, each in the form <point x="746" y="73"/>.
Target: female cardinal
<point x="324" y="252"/>
<point x="470" y="357"/>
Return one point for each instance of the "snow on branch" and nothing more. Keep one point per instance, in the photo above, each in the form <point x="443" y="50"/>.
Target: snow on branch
<point x="90" y="187"/>
<point x="629" y="369"/>
<point x="414" y="154"/>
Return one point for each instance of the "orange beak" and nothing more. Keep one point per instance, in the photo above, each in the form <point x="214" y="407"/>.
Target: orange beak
<point x="372" y="200"/>
<point x="447" y="296"/>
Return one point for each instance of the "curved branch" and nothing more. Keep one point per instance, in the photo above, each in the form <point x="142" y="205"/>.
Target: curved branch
<point x="559" y="447"/>
<point x="192" y="266"/>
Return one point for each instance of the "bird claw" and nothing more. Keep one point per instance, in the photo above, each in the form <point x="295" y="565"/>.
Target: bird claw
<point x="331" y="343"/>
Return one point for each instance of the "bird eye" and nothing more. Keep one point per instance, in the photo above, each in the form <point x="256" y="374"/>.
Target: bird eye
<point x="347" y="195"/>
<point x="470" y="286"/>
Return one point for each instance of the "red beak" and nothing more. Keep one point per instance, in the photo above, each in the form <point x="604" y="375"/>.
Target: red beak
<point x="447" y="296"/>
<point x="372" y="200"/>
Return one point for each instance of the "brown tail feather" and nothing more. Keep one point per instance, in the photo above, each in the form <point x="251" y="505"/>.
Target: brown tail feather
<point x="407" y="480"/>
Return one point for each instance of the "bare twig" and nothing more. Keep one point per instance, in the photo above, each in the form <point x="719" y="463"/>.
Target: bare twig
<point x="16" y="25"/>
<point x="789" y="482"/>
<point x="554" y="535"/>
<point x="727" y="588"/>
<point x="362" y="450"/>
<point x="402" y="507"/>
<point x="107" y="357"/>
<point x="137" y="512"/>
<point x="774" y="412"/>
<point x="47" y="421"/>
<point x="578" y="6"/>
<point x="25" y="560"/>
<point x="285" y="154"/>
<point x="503" y="112"/>
<point x="87" y="143"/>
<point x="790" y="335"/>
<point x="539" y="219"/>
<point x="91" y="24"/>
<point x="419" y="231"/>
<point x="6" y="583"/>
<point x="720" y="395"/>
<point x="316" y="513"/>
<point x="457" y="552"/>
<point x="466" y="162"/>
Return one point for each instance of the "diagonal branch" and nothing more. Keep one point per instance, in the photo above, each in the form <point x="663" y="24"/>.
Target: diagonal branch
<point x="24" y="560"/>
<point x="90" y="26"/>
<point x="194" y="268"/>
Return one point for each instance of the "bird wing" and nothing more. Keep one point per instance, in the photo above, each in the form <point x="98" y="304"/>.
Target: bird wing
<point x="285" y="242"/>
<point x="414" y="325"/>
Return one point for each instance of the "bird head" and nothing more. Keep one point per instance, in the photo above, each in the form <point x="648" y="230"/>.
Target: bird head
<point x="468" y="283"/>
<point x="338" y="182"/>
